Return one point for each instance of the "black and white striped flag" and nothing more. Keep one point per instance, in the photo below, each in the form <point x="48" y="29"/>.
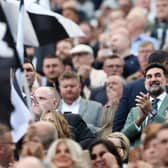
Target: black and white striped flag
<point x="20" y="32"/>
<point x="13" y="111"/>
<point x="6" y="62"/>
<point x="42" y="25"/>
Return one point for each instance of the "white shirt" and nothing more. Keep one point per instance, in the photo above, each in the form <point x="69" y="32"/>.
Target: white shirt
<point x="74" y="107"/>
<point x="161" y="98"/>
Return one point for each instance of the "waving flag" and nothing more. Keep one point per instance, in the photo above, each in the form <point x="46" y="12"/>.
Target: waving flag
<point x="6" y="62"/>
<point x="20" y="32"/>
<point x="13" y="111"/>
<point x="6" y="36"/>
<point x="42" y="26"/>
<point x="20" y="117"/>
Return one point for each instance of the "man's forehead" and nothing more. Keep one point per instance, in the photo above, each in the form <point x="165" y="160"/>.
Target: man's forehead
<point x="27" y="65"/>
<point x="114" y="78"/>
<point x="114" y="60"/>
<point x="63" y="44"/>
<point x="162" y="133"/>
<point x="69" y="80"/>
<point x="51" y="60"/>
<point x="154" y="70"/>
<point x="41" y="91"/>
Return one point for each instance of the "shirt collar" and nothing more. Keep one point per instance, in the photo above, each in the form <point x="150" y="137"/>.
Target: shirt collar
<point x="74" y="102"/>
<point x="140" y="37"/>
<point x="160" y="97"/>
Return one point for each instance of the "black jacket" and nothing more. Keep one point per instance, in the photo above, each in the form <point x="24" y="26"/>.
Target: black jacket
<point x="127" y="101"/>
<point x="82" y="134"/>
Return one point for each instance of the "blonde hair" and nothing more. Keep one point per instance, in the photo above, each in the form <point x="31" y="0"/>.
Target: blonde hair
<point x="60" y="124"/>
<point x="125" y="143"/>
<point x="74" y="149"/>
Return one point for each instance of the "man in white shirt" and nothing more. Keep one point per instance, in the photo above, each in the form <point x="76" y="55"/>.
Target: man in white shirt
<point x="90" y="111"/>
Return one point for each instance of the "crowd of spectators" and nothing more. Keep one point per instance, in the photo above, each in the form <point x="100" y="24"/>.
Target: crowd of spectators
<point x="100" y="100"/>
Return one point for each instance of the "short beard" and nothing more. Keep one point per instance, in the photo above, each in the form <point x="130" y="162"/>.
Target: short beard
<point x="156" y="93"/>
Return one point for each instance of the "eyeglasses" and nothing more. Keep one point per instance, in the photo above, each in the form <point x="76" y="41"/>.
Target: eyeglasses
<point x="94" y="156"/>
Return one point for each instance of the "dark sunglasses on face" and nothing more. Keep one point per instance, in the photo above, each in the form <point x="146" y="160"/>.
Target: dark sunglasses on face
<point x="94" y="156"/>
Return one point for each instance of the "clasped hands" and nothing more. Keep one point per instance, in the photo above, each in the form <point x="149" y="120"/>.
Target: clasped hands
<point x="144" y="104"/>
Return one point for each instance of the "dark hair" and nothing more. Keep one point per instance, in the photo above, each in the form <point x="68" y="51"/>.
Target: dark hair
<point x="28" y="61"/>
<point x="53" y="56"/>
<point x="110" y="147"/>
<point x="155" y="65"/>
<point x="158" y="56"/>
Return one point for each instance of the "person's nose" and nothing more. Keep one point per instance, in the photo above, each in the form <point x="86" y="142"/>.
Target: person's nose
<point x="12" y="146"/>
<point x="99" y="158"/>
<point x="35" y="101"/>
<point x="110" y="86"/>
<point x="25" y="72"/>
<point x="152" y="150"/>
<point x="50" y="68"/>
<point x="153" y="78"/>
<point x="62" y="153"/>
<point x="68" y="88"/>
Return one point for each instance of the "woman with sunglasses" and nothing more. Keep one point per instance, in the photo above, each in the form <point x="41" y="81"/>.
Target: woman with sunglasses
<point x="104" y="154"/>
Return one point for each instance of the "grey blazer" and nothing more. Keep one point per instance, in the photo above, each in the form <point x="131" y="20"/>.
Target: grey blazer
<point x="91" y="112"/>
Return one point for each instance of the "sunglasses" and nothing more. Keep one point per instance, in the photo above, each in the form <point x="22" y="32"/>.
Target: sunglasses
<point x="95" y="156"/>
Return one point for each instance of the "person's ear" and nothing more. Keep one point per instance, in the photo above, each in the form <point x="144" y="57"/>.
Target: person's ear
<point x="165" y="64"/>
<point x="56" y="103"/>
<point x="1" y="149"/>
